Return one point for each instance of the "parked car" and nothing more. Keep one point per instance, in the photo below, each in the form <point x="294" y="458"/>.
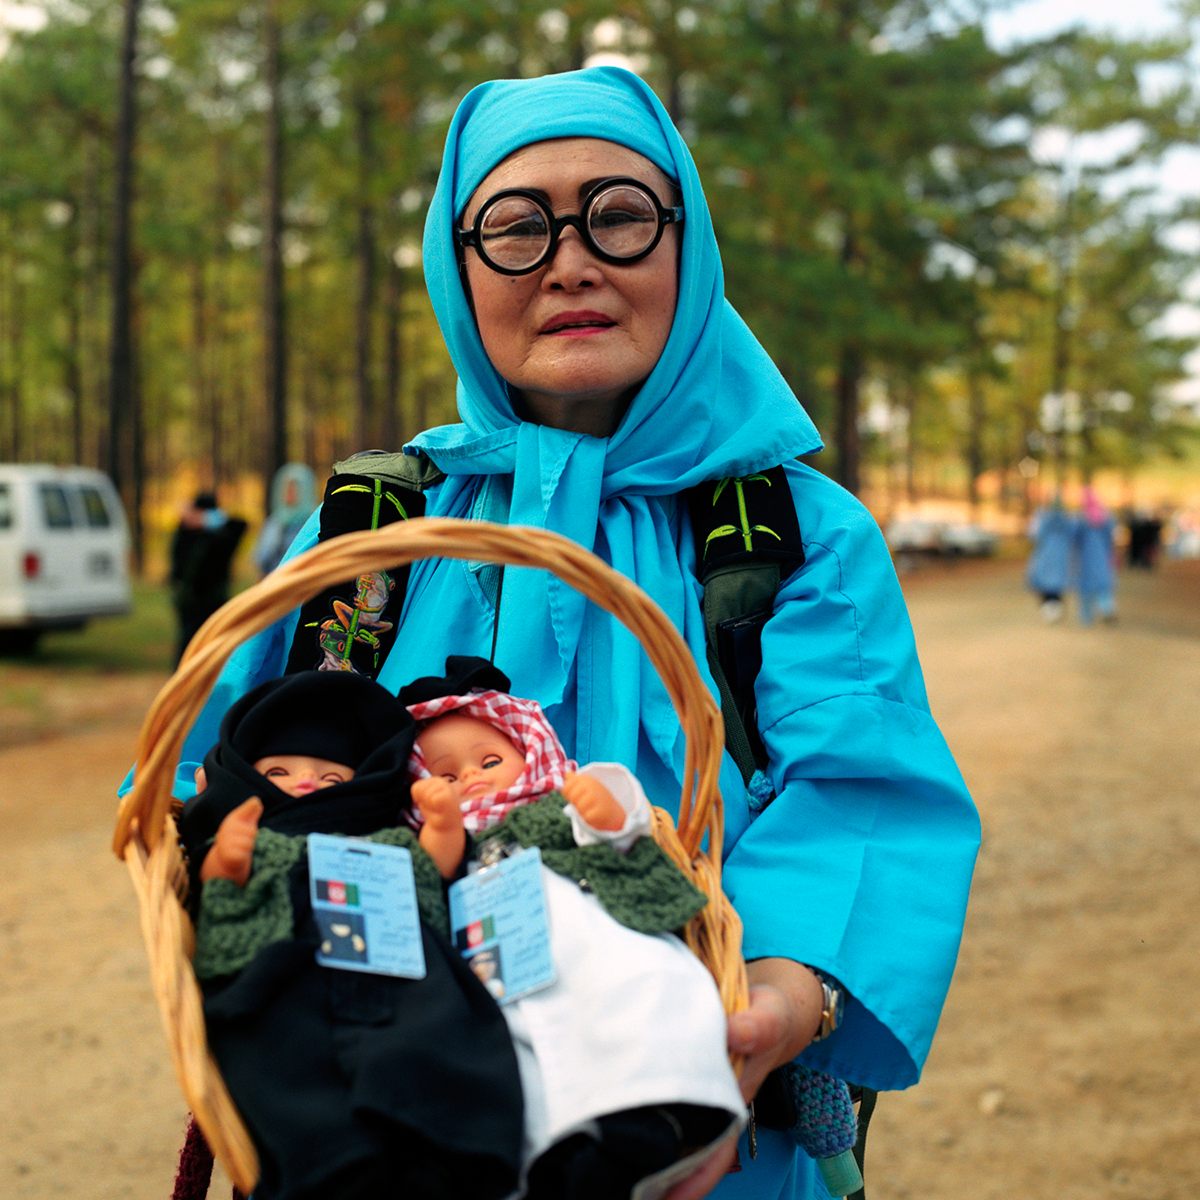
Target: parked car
<point x="914" y="535"/>
<point x="968" y="540"/>
<point x="924" y="536"/>
<point x="64" y="551"/>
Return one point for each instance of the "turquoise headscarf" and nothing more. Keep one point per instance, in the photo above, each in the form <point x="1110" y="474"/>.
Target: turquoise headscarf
<point x="714" y="405"/>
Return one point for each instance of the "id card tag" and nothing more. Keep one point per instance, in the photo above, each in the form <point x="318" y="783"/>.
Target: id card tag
<point x="364" y="900"/>
<point x="499" y="924"/>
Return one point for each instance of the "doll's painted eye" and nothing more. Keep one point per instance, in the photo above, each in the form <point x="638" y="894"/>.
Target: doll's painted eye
<point x="276" y="772"/>
<point x="491" y="760"/>
<point x="333" y="777"/>
<point x="449" y="778"/>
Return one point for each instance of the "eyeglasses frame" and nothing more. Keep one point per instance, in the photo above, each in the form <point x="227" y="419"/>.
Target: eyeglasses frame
<point x="556" y="224"/>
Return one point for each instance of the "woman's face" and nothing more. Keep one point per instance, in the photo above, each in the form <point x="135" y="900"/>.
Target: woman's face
<point x="576" y="337"/>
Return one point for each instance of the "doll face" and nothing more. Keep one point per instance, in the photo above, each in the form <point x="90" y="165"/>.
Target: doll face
<point x="300" y="774"/>
<point x="473" y="757"/>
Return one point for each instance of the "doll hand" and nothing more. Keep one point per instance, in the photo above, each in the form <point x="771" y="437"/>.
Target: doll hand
<point x="442" y="835"/>
<point x="233" y="848"/>
<point x="594" y="802"/>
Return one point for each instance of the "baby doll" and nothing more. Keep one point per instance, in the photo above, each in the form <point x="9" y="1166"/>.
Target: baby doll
<point x="353" y="1085"/>
<point x="623" y="1057"/>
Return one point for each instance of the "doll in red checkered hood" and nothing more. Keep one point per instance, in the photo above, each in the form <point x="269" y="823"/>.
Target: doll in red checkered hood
<point x="623" y="1057"/>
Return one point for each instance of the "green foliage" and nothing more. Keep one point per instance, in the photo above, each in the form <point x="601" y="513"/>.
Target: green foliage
<point x="891" y="225"/>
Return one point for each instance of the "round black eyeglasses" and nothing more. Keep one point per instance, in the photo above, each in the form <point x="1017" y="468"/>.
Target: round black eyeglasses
<point x="620" y="221"/>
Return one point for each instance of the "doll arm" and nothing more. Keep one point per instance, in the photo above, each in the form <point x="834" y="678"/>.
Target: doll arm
<point x="233" y="848"/>
<point x="622" y="786"/>
<point x="443" y="836"/>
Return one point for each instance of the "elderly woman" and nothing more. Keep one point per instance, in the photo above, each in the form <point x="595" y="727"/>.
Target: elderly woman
<point x="571" y="261"/>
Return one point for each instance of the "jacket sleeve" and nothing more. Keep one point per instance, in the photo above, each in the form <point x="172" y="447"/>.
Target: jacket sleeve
<point x="861" y="864"/>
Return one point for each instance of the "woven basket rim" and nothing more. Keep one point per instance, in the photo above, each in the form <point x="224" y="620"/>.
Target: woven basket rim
<point x="146" y="838"/>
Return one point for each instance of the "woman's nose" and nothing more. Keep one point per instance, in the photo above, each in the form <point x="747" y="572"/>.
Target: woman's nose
<point x="573" y="265"/>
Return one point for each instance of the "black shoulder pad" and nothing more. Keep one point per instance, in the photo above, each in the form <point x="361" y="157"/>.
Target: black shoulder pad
<point x="744" y="519"/>
<point x="352" y="625"/>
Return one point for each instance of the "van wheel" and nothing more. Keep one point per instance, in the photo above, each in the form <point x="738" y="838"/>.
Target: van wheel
<point x="19" y="643"/>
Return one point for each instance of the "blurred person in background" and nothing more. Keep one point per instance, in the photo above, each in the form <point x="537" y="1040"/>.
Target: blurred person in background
<point x="293" y="498"/>
<point x="1095" y="573"/>
<point x="202" y="552"/>
<point x="1049" y="571"/>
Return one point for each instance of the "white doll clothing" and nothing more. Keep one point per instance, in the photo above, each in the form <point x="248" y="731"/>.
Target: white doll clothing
<point x="631" y="1020"/>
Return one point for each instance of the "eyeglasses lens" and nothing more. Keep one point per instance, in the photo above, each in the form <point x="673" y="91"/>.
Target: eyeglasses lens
<point x="513" y="232"/>
<point x="622" y="221"/>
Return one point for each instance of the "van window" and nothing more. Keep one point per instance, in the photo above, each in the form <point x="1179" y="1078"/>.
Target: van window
<point x="6" y="514"/>
<point x="96" y="511"/>
<point x="55" y="509"/>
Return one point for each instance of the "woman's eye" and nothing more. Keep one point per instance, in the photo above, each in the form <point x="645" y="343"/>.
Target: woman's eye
<point x="614" y="218"/>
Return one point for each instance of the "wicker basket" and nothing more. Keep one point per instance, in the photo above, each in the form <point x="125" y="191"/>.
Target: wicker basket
<point x="146" y="838"/>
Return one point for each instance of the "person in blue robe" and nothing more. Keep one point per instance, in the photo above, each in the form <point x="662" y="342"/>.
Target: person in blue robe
<point x="1049" y="569"/>
<point x="600" y="376"/>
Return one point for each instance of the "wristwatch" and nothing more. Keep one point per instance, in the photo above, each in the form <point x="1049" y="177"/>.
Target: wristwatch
<point x="833" y="1003"/>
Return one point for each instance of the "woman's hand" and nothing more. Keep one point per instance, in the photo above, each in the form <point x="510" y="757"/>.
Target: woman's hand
<point x="786" y="1000"/>
<point x="233" y="847"/>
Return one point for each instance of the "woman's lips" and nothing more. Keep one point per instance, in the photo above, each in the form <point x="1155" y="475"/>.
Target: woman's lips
<point x="577" y="324"/>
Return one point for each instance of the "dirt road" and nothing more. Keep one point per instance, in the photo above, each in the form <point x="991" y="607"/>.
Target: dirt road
<point x="1068" y="1059"/>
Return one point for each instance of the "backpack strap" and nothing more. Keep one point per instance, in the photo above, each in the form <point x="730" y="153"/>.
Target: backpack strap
<point x="747" y="542"/>
<point x="351" y="626"/>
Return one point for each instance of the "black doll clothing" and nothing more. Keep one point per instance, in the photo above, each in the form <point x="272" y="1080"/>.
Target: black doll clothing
<point x="344" y="1078"/>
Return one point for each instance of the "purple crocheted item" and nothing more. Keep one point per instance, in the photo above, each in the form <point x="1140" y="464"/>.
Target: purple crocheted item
<point x="826" y="1123"/>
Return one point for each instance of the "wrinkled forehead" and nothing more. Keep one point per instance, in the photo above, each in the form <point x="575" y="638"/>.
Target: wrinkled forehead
<point x="610" y="105"/>
<point x="570" y="165"/>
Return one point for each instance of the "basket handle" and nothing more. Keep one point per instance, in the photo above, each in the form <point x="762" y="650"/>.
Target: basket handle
<point x="143" y="811"/>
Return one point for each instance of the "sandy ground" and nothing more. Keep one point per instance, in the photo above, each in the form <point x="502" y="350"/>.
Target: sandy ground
<point x="1068" y="1059"/>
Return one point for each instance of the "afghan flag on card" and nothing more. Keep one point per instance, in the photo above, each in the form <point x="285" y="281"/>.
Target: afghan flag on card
<point x="475" y="934"/>
<point x="333" y="891"/>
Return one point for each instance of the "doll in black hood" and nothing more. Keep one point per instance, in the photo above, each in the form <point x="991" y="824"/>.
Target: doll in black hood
<point x="353" y="1085"/>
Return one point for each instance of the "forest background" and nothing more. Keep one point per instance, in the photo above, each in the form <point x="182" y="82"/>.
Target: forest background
<point x="211" y="211"/>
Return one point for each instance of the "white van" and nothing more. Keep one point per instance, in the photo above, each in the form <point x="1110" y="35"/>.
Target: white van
<point x="64" y="550"/>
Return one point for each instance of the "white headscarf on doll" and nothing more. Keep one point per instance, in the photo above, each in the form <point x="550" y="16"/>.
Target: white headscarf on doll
<point x="714" y="405"/>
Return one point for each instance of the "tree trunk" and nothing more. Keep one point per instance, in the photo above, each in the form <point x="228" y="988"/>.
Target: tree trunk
<point x="123" y="438"/>
<point x="224" y="366"/>
<point x="94" y="379"/>
<point x="849" y="378"/>
<point x="365" y="431"/>
<point x="73" y="359"/>
<point x="10" y="430"/>
<point x="975" y="418"/>
<point x="274" y="305"/>
<point x="389" y="430"/>
<point x="203" y="400"/>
